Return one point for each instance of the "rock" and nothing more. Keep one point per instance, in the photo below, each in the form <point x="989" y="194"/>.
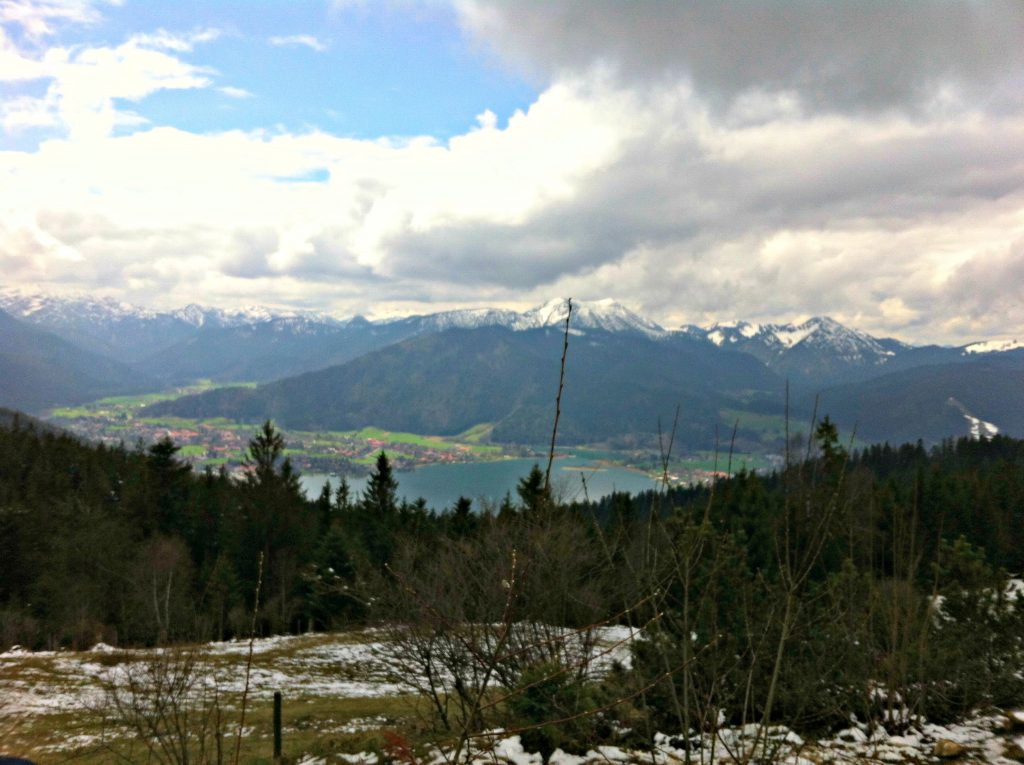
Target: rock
<point x="1015" y="719"/>
<point x="947" y="749"/>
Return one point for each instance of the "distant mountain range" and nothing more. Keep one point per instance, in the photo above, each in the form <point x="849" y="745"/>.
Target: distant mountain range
<point x="445" y="372"/>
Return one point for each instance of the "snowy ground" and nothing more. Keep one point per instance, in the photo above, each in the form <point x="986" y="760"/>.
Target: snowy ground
<point x="339" y="690"/>
<point x="346" y="666"/>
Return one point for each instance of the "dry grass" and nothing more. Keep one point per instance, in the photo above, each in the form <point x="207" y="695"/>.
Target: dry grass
<point x="337" y="699"/>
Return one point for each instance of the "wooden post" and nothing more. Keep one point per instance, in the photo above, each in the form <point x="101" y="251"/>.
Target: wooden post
<point x="277" y="726"/>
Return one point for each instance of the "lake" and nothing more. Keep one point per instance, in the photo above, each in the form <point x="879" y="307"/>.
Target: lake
<point x="441" y="485"/>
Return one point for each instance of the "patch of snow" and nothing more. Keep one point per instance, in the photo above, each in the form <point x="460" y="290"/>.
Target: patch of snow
<point x="993" y="346"/>
<point x="978" y="428"/>
<point x="789" y="335"/>
<point x="360" y="758"/>
<point x="511" y="750"/>
<point x="558" y="757"/>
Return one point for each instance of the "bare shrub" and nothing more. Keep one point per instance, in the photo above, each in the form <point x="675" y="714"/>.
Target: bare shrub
<point x="168" y="707"/>
<point x="480" y="621"/>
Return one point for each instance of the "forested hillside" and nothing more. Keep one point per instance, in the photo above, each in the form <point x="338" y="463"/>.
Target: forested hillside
<point x="40" y="370"/>
<point x="447" y="382"/>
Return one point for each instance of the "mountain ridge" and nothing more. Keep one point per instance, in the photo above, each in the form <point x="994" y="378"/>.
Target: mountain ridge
<point x="53" y="311"/>
<point x="818" y="355"/>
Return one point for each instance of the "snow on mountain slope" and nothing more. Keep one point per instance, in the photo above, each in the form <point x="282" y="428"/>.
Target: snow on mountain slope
<point x="469" y="318"/>
<point x="978" y="428"/>
<point x="826" y="334"/>
<point x="820" y="334"/>
<point x="604" y="314"/>
<point x="725" y="332"/>
<point x="993" y="346"/>
<point x="39" y="308"/>
<point x="52" y="310"/>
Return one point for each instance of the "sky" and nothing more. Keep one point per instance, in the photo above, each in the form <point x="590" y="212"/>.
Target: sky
<point x="696" y="161"/>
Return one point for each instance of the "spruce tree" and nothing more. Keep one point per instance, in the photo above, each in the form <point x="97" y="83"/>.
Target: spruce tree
<point x="381" y="493"/>
<point x="531" y="491"/>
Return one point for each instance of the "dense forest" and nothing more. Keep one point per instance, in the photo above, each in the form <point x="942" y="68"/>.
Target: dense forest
<point x="792" y="596"/>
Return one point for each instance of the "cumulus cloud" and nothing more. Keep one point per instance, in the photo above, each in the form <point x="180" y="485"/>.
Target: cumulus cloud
<point x="84" y="83"/>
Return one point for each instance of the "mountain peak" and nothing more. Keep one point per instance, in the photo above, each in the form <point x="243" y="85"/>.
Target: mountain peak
<point x="191" y="314"/>
<point x="605" y="314"/>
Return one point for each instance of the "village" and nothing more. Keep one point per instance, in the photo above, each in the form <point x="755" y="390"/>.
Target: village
<point x="218" y="443"/>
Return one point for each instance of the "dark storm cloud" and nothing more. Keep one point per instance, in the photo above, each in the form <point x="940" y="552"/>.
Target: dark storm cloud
<point x="836" y="54"/>
<point x="561" y="240"/>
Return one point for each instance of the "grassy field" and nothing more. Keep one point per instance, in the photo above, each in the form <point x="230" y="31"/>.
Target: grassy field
<point x="123" y="404"/>
<point x="339" y="697"/>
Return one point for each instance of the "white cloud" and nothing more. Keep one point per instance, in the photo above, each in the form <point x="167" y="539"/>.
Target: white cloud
<point x="180" y="43"/>
<point x="85" y="82"/>
<point x="233" y="92"/>
<point x="308" y="41"/>
<point x="37" y="18"/>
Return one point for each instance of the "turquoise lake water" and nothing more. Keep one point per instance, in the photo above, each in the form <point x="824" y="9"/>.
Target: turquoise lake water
<point x="441" y="485"/>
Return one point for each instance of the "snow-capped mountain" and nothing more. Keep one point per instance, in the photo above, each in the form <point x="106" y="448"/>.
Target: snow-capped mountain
<point x="468" y="318"/>
<point x="819" y="349"/>
<point x="820" y="332"/>
<point x="262" y="343"/>
<point x="102" y="325"/>
<point x="40" y="308"/>
<point x="132" y="334"/>
<point x="606" y="315"/>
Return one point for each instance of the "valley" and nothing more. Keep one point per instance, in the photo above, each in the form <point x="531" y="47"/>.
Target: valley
<point x="437" y="468"/>
<point x="217" y="442"/>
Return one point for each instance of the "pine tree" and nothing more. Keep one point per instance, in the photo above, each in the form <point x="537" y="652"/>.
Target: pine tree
<point x="381" y="493"/>
<point x="531" y="490"/>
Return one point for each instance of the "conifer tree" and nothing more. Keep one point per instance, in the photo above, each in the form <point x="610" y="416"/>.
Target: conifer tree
<point x="531" y="491"/>
<point x="381" y="493"/>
